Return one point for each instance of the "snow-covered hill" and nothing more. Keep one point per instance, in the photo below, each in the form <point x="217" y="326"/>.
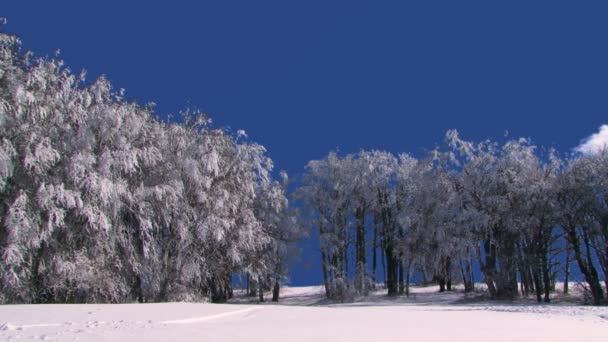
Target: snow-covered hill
<point x="303" y="315"/>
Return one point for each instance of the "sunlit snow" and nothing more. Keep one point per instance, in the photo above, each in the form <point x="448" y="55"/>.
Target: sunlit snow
<point x="304" y="315"/>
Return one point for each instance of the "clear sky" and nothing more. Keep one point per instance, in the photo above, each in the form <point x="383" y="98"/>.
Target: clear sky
<point x="305" y="77"/>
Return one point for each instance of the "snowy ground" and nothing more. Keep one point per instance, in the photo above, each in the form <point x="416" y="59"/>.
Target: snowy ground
<point x="305" y="316"/>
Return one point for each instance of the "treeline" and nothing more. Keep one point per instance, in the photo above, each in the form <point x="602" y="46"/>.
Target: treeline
<point x="508" y="209"/>
<point x="102" y="202"/>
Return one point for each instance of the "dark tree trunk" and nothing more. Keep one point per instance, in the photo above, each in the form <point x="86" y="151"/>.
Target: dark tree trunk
<point x="506" y="280"/>
<point x="385" y="275"/>
<point x="538" y="286"/>
<point x="464" y="278"/>
<point x="252" y="285"/>
<point x="37" y="281"/>
<point x="598" y="293"/>
<point x="531" y="285"/>
<point x="342" y="265"/>
<point x="360" y="267"/>
<point x="275" y="290"/>
<point x="139" y="292"/>
<point x="407" y="279"/>
<point x="471" y="274"/>
<point x="162" y="291"/>
<point x="400" y="270"/>
<point x="467" y="275"/>
<point x="388" y="258"/>
<point x="375" y="251"/>
<point x="527" y="282"/>
<point x="229" y="292"/>
<point x="260" y="290"/>
<point x="546" y="278"/>
<point x="488" y="268"/>
<point x="441" y="281"/>
<point x="525" y="273"/>
<point x="218" y="293"/>
<point x="401" y="282"/>
<point x="567" y="268"/>
<point x="325" y="274"/>
<point x="324" y="261"/>
<point x="602" y="256"/>
<point x="448" y="274"/>
<point x="391" y="271"/>
<point x="602" y="251"/>
<point x="585" y="263"/>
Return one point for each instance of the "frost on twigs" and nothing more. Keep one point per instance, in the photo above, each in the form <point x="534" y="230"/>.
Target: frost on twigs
<point x="106" y="203"/>
<point x="508" y="207"/>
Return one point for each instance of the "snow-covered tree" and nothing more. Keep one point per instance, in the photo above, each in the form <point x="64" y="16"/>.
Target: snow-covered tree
<point x="581" y="194"/>
<point x="101" y="201"/>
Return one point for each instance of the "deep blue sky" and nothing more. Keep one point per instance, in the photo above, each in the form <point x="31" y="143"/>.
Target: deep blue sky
<point x="304" y="77"/>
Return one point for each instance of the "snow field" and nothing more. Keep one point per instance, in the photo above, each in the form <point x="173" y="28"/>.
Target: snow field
<point x="427" y="315"/>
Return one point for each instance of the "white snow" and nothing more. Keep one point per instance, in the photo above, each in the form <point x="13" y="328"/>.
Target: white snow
<point x="210" y="317"/>
<point x="304" y="315"/>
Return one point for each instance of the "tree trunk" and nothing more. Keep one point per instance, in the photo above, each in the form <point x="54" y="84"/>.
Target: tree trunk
<point x="488" y="268"/>
<point x="218" y="295"/>
<point x="527" y="283"/>
<point x="260" y="290"/>
<point x="538" y="286"/>
<point x="469" y="268"/>
<point x="464" y="278"/>
<point x="391" y="271"/>
<point x="325" y="274"/>
<point x="441" y="281"/>
<point x="385" y="275"/>
<point x="567" y="269"/>
<point x="37" y="281"/>
<point x="467" y="275"/>
<point x="360" y="274"/>
<point x="602" y="249"/>
<point x="343" y="254"/>
<point x="448" y="274"/>
<point x="401" y="282"/>
<point x="275" y="290"/>
<point x="408" y="277"/>
<point x="252" y="285"/>
<point x="324" y="260"/>
<point x="139" y="292"/>
<point x="546" y="278"/>
<point x="585" y="264"/>
<point x="375" y="251"/>
<point x="506" y="280"/>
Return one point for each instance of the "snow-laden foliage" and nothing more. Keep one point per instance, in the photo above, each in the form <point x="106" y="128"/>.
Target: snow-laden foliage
<point x="508" y="208"/>
<point x="101" y="201"/>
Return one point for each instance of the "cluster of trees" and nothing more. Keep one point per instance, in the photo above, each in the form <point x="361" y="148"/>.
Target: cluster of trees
<point x="509" y="209"/>
<point x="100" y="201"/>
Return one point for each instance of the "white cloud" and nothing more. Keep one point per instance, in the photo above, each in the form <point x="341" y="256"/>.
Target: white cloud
<point x="595" y="142"/>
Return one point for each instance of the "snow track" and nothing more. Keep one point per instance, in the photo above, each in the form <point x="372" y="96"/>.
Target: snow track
<point x="427" y="315"/>
<point x="212" y="317"/>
